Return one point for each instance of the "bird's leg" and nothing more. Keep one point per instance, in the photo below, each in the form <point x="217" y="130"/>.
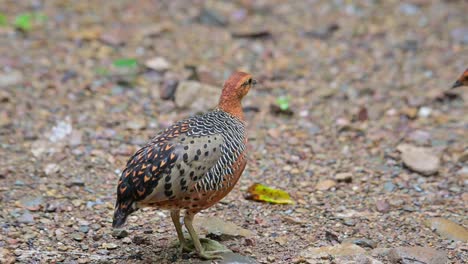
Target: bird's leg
<point x="188" y="220"/>
<point x="175" y="215"/>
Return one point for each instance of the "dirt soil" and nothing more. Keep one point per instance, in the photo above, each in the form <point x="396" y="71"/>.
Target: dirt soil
<point x="360" y="82"/>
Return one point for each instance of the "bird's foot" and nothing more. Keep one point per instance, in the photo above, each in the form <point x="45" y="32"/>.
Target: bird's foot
<point x="185" y="247"/>
<point x="208" y="255"/>
<point x="210" y="248"/>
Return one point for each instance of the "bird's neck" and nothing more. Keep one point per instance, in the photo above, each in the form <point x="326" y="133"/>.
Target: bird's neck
<point x="232" y="106"/>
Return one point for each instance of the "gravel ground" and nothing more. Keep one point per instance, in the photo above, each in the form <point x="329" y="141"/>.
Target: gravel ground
<point x="369" y="143"/>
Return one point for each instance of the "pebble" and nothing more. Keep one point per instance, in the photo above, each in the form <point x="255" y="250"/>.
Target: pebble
<point x="312" y="253"/>
<point x="158" y="64"/>
<point x="460" y="35"/>
<point x="420" y="137"/>
<point x="51" y="168"/>
<point x="84" y="229"/>
<point x="26" y="218"/>
<point x="389" y="186"/>
<point x="119" y="233"/>
<point x="75" y="182"/>
<point x="448" y="229"/>
<point x="410" y="255"/>
<point x="218" y="226"/>
<point x="325" y="185"/>
<point x="168" y="89"/>
<point x="32" y="203"/>
<point x="362" y="242"/>
<point x="78" y="236"/>
<point x="127" y="240"/>
<point x="232" y="258"/>
<point x="421" y="160"/>
<point x="424" y="112"/>
<point x="109" y="246"/>
<point x="382" y="206"/>
<point x="10" y="78"/>
<point x="344" y="177"/>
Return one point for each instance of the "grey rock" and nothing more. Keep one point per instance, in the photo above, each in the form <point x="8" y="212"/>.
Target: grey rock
<point x="421" y="160"/>
<point x="119" y="233"/>
<point x="196" y="96"/>
<point x="411" y="255"/>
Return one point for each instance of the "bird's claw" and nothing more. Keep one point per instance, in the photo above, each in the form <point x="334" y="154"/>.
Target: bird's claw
<point x="209" y="255"/>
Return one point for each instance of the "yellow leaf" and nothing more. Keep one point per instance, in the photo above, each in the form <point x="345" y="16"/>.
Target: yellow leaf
<point x="262" y="193"/>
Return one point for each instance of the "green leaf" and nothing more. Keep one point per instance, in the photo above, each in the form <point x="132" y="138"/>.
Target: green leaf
<point x="125" y="63"/>
<point x="283" y="102"/>
<point x="3" y="20"/>
<point x="23" y="21"/>
<point x="262" y="193"/>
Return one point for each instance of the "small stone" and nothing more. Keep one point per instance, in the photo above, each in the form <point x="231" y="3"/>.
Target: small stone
<point x="420" y="137"/>
<point x="75" y="138"/>
<point x="344" y="177"/>
<point x="138" y="240"/>
<point x="233" y="258"/>
<point x="271" y="259"/>
<point x="59" y="233"/>
<point x="349" y="222"/>
<point x="26" y="218"/>
<point x="312" y="254"/>
<point x="212" y="18"/>
<point x="6" y="256"/>
<point x="382" y="206"/>
<point x="463" y="157"/>
<point x="158" y="64"/>
<point x="84" y="229"/>
<point x="75" y="182"/>
<point x="78" y="236"/>
<point x="127" y="240"/>
<point x="119" y="233"/>
<point x="389" y="186"/>
<point x="51" y="168"/>
<point x="424" y="112"/>
<point x="109" y="246"/>
<point x="362" y="242"/>
<point x="325" y="185"/>
<point x="32" y="203"/>
<point x="421" y="160"/>
<point x="460" y="35"/>
<point x="218" y="226"/>
<point x="136" y="124"/>
<point x="11" y="78"/>
<point x="448" y="229"/>
<point x="410" y="255"/>
<point x="168" y="89"/>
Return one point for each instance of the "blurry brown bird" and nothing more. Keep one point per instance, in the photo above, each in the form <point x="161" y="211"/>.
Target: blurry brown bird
<point x="462" y="81"/>
<point x="189" y="166"/>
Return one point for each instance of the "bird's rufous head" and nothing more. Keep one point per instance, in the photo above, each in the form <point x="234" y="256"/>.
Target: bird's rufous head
<point x="235" y="88"/>
<point x="462" y="81"/>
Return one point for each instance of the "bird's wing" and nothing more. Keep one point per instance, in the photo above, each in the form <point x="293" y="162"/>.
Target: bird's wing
<point x="169" y="166"/>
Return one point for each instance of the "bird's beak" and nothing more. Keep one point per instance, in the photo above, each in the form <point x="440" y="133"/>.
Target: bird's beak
<point x="254" y="82"/>
<point x="458" y="83"/>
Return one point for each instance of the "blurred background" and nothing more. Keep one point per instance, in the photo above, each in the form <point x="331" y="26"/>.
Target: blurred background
<point x="352" y="116"/>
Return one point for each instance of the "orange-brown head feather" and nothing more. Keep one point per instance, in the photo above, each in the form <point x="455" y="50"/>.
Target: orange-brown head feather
<point x="462" y="81"/>
<point x="235" y="88"/>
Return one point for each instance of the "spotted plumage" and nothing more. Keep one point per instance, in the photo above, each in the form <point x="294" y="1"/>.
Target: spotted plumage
<point x="191" y="165"/>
